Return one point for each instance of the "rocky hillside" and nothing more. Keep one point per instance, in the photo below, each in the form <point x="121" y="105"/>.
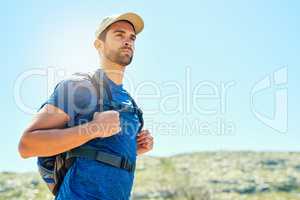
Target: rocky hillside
<point x="196" y="176"/>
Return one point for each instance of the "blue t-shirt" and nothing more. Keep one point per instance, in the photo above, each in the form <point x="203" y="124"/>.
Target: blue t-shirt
<point x="89" y="179"/>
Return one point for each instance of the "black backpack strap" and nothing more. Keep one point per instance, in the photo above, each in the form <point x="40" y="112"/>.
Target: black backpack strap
<point x="134" y="108"/>
<point x="107" y="158"/>
<point x="139" y="113"/>
<point x="100" y="85"/>
<point x="61" y="167"/>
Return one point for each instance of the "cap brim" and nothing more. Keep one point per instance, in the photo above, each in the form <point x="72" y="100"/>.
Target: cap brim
<point x="134" y="19"/>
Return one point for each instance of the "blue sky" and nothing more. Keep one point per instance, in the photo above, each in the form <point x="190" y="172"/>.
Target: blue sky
<point x="215" y="42"/>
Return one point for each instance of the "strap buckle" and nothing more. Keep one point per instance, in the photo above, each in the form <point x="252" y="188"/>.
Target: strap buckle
<point x="125" y="164"/>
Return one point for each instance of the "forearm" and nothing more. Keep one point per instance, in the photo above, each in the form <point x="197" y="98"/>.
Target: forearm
<point x="54" y="141"/>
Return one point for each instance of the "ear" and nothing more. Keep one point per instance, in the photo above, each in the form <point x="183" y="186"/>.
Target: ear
<point x="98" y="44"/>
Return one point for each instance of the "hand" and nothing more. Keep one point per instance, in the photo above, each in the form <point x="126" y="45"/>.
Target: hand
<point x="144" y="142"/>
<point x="106" y="124"/>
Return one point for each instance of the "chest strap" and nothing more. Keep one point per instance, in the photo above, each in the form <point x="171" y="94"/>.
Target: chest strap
<point x="107" y="158"/>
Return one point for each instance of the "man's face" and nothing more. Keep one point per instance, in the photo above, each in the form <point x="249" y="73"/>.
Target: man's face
<point x="118" y="45"/>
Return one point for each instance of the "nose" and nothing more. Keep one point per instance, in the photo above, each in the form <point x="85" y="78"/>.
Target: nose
<point x="128" y="43"/>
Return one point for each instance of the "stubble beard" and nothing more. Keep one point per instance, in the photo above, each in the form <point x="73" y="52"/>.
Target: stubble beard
<point x="119" y="58"/>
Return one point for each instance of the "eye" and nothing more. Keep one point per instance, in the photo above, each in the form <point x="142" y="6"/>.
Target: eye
<point x="119" y="35"/>
<point x="132" y="38"/>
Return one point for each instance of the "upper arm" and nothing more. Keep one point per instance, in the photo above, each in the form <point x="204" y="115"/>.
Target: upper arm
<point x="48" y="117"/>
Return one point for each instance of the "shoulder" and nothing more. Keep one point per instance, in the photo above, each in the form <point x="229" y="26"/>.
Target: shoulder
<point x="76" y="84"/>
<point x="76" y="81"/>
<point x="76" y="89"/>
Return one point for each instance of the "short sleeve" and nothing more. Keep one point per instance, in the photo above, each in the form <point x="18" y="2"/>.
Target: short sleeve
<point x="73" y="97"/>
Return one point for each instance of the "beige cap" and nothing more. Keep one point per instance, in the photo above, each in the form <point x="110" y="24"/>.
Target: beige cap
<point x="133" y="18"/>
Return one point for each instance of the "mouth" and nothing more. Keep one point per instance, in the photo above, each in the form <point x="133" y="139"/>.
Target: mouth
<point x="127" y="50"/>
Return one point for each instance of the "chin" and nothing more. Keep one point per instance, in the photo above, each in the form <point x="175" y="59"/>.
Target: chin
<point x="124" y="64"/>
<point x="126" y="61"/>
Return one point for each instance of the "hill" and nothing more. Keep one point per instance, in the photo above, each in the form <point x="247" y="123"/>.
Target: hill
<point x="194" y="176"/>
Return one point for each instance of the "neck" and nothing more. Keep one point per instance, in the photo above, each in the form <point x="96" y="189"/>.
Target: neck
<point x="114" y="71"/>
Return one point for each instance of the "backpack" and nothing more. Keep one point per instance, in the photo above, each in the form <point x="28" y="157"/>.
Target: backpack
<point x="54" y="168"/>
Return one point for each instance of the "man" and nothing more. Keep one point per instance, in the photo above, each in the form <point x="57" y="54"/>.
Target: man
<point x="60" y="125"/>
